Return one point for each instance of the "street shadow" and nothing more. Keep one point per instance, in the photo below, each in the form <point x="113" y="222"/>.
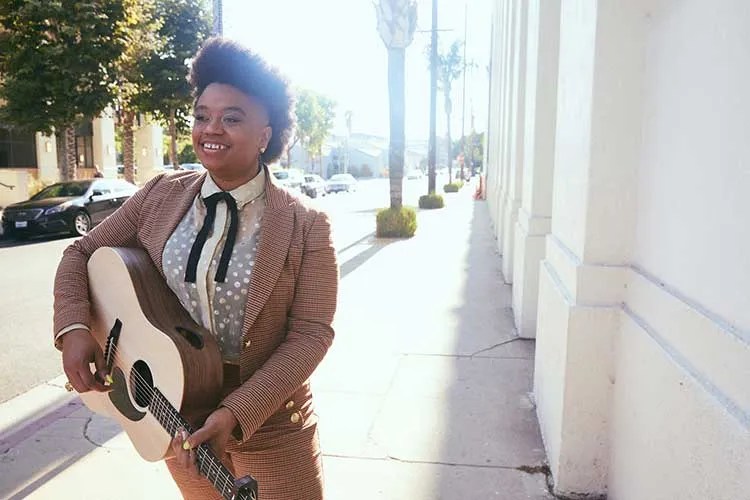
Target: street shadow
<point x="373" y="246"/>
<point x="471" y="369"/>
<point x="490" y="410"/>
<point x="45" y="445"/>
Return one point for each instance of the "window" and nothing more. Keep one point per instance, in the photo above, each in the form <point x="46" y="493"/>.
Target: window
<point x="17" y="149"/>
<point x="85" y="151"/>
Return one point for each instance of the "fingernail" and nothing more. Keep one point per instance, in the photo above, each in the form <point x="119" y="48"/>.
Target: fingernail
<point x="185" y="445"/>
<point x="108" y="378"/>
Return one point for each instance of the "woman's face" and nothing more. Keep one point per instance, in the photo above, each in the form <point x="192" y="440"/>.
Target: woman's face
<point x="229" y="130"/>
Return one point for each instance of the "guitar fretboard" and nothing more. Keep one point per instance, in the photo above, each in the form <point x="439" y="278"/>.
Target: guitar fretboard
<point x="208" y="465"/>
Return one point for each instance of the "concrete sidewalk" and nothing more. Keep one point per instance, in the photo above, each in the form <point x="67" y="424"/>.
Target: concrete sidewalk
<point x="425" y="394"/>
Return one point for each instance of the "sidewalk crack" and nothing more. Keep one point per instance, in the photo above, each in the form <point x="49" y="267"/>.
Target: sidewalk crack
<point x="504" y="342"/>
<point x="86" y="433"/>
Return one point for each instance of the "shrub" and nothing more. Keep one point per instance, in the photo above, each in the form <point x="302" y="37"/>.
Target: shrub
<point x="453" y="187"/>
<point x="396" y="223"/>
<point x="431" y="201"/>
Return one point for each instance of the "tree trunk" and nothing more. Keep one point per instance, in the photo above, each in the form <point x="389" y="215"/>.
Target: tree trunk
<point x="67" y="162"/>
<point x="431" y="155"/>
<point x="173" y="140"/>
<point x="448" y="134"/>
<point x="397" y="103"/>
<point x="128" y="160"/>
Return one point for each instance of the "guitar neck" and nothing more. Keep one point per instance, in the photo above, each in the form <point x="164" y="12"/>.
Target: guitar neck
<point x="208" y="464"/>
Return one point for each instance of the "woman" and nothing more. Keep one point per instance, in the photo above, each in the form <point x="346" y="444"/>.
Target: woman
<point x="248" y="261"/>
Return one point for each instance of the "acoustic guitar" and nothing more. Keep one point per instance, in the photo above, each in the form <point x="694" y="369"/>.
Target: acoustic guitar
<point x="166" y="370"/>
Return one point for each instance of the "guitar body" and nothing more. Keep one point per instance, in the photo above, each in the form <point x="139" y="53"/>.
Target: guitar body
<point x="151" y="345"/>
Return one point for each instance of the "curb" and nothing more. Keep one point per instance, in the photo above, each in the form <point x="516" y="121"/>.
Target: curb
<point x="33" y="410"/>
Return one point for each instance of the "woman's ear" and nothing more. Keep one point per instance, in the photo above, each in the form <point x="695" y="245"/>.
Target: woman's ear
<point x="266" y="137"/>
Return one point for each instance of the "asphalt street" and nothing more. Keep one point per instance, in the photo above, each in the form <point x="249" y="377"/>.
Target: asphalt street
<point x="28" y="267"/>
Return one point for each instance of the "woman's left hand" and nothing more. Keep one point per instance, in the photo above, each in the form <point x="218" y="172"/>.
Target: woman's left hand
<point x="216" y="431"/>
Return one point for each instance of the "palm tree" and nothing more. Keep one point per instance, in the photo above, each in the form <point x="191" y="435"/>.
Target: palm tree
<point x="397" y="20"/>
<point x="450" y="66"/>
<point x="218" y="18"/>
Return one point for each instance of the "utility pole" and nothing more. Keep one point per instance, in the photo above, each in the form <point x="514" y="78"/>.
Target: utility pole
<point x="433" y="101"/>
<point x="348" y="115"/>
<point x="218" y="29"/>
<point x="463" y="98"/>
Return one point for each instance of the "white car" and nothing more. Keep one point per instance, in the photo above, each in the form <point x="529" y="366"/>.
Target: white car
<point x="289" y="178"/>
<point x="341" y="182"/>
<point x="414" y="174"/>
<point x="314" y="186"/>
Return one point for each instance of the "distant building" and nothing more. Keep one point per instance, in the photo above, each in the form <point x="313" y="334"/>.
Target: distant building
<point x="362" y="155"/>
<point x="30" y="158"/>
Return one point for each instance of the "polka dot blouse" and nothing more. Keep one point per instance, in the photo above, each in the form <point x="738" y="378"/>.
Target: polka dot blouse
<point x="218" y="307"/>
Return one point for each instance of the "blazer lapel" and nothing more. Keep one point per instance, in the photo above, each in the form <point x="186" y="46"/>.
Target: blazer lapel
<point x="275" y="237"/>
<point x="175" y="206"/>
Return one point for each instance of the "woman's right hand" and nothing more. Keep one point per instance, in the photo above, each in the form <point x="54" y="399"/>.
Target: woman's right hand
<point x="79" y="350"/>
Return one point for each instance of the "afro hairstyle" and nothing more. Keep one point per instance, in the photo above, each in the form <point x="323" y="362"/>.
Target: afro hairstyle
<point x="224" y="61"/>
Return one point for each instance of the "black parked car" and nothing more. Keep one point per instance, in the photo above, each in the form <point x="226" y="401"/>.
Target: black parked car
<point x="74" y="206"/>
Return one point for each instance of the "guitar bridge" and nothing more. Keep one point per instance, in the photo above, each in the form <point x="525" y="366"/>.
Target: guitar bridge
<point x="110" y="346"/>
<point x="246" y="488"/>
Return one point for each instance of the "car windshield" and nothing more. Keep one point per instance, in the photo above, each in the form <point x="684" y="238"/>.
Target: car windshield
<point x="281" y="175"/>
<point x="341" y="177"/>
<point x="63" y="190"/>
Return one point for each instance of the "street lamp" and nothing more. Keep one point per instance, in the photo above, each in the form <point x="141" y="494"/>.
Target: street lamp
<point x="218" y="28"/>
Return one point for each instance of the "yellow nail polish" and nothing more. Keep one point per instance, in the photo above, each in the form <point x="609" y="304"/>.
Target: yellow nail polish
<point x="185" y="445"/>
<point x="108" y="378"/>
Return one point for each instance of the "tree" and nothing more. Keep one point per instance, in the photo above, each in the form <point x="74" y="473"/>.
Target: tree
<point x="323" y="125"/>
<point x="315" y="113"/>
<point x="185" y="25"/>
<point x="142" y="27"/>
<point x="58" y="64"/>
<point x="397" y="20"/>
<point x="450" y="65"/>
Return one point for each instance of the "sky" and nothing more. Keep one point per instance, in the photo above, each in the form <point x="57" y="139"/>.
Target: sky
<point x="333" y="47"/>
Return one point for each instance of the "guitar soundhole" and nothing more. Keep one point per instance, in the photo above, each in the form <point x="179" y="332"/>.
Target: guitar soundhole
<point x="193" y="338"/>
<point x="142" y="382"/>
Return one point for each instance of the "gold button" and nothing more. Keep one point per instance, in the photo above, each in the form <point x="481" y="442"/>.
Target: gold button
<point x="290" y="405"/>
<point x="247" y="344"/>
<point x="295" y="418"/>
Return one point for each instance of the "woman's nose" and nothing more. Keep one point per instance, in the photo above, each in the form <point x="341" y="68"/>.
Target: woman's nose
<point x="214" y="125"/>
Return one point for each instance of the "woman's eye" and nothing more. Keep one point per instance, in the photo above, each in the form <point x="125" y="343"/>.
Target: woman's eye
<point x="200" y="118"/>
<point x="231" y="119"/>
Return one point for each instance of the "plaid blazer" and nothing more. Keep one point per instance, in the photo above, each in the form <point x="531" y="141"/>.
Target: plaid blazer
<point x="288" y="315"/>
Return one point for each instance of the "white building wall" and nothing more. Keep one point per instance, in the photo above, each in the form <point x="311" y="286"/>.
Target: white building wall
<point x="46" y="158"/>
<point x="535" y="212"/>
<point x="682" y="403"/>
<point x="148" y="151"/>
<point x="643" y="321"/>
<point x="494" y="159"/>
<point x="515" y="136"/>
<point x="104" y="143"/>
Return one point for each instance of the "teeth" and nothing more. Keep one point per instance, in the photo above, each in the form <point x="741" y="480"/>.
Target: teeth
<point x="211" y="145"/>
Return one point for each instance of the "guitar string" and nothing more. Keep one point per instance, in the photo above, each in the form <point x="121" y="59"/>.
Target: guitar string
<point x="143" y="390"/>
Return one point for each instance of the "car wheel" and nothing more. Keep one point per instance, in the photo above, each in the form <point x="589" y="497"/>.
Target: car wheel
<point x="81" y="223"/>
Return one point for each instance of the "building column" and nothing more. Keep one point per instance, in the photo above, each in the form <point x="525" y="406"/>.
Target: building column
<point x="583" y="275"/>
<point x="103" y="142"/>
<point x="148" y="152"/>
<point x="515" y="147"/>
<point x="535" y="213"/>
<point x="494" y="137"/>
<point x="506" y="65"/>
<point x="46" y="158"/>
